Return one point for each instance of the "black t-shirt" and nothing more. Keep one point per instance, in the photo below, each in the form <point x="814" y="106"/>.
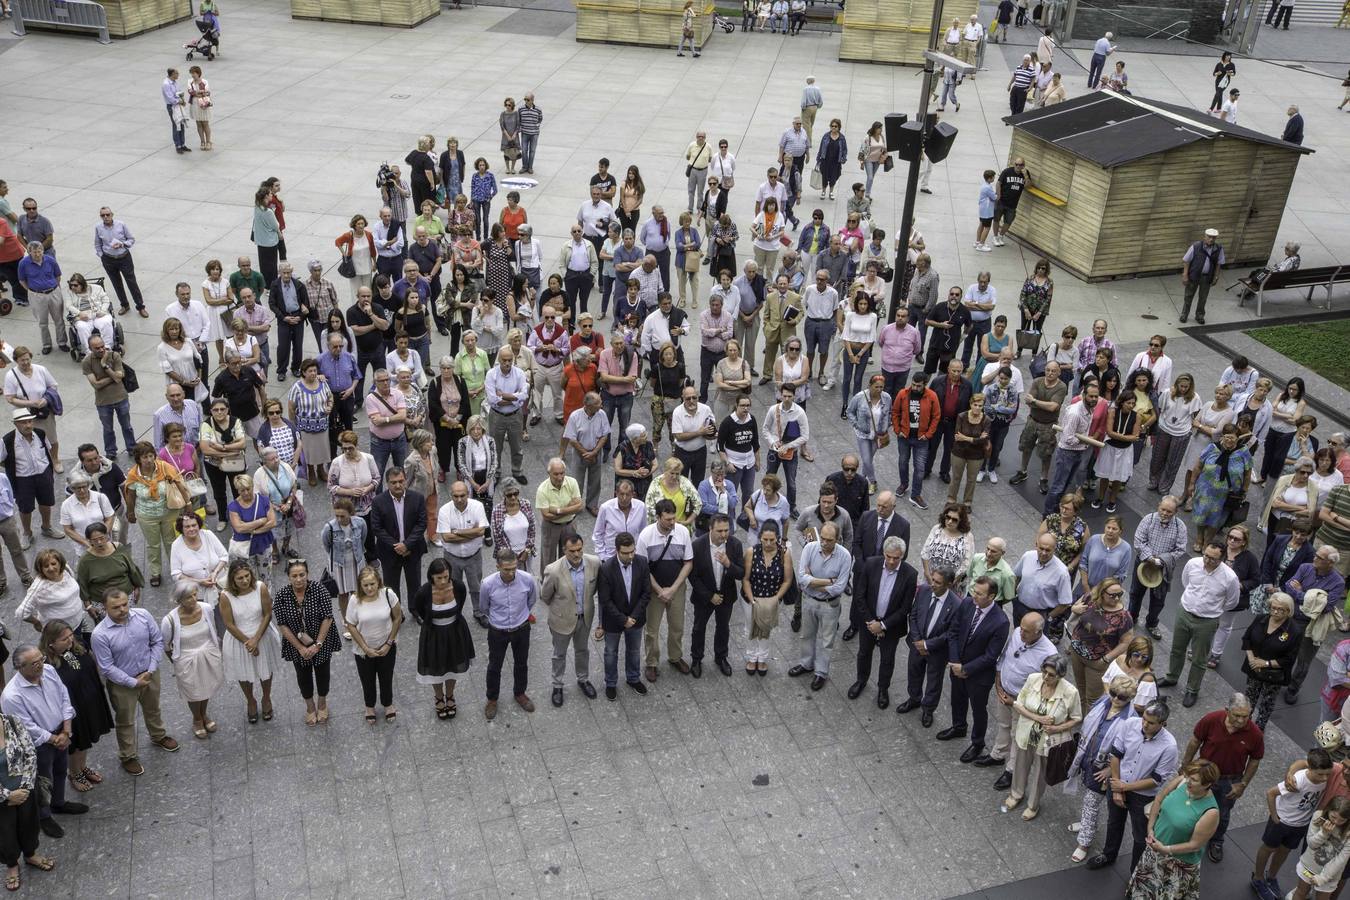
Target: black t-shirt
<point x="605" y="183"/>
<point x="371" y="341"/>
<point x="1005" y="12"/>
<point x="947" y="340"/>
<point x="419" y="162"/>
<point x="239" y="392"/>
<point x="1223" y="73"/>
<point x="1011" y="183"/>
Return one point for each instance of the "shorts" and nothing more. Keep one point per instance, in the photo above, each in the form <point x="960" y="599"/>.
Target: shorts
<point x="1006" y="213"/>
<point x="30" y="490"/>
<point x="985" y="223"/>
<point x="1038" y="436"/>
<point x="1278" y="834"/>
<point x="818" y="335"/>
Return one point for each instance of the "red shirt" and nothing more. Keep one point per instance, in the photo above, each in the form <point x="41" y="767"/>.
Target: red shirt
<point x="1230" y="752"/>
<point x="950" y="398"/>
<point x="11" y="248"/>
<point x="279" y="209"/>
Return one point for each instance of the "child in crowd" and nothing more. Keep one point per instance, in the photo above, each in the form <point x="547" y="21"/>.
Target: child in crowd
<point x="1292" y="803"/>
<point x="1319" y="868"/>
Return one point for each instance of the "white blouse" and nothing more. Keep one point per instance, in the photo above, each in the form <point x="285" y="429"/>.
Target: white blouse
<point x="860" y="328"/>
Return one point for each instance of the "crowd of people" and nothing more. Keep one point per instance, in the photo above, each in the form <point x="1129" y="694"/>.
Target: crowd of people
<point x="462" y="338"/>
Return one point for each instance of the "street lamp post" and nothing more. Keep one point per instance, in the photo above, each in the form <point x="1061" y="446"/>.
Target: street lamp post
<point x="931" y="58"/>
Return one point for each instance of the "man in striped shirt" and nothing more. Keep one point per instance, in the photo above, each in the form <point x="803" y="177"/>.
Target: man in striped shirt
<point x="794" y="145"/>
<point x="530" y="118"/>
<point x="1020" y="84"/>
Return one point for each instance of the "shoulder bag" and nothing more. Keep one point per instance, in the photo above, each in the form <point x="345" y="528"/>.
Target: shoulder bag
<point x="1060" y="759"/>
<point x="346" y="268"/>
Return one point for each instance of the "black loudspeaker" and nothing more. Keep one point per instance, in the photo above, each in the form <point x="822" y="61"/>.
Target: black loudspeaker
<point x="893" y="123"/>
<point x="939" y="142"/>
<point x="909" y="141"/>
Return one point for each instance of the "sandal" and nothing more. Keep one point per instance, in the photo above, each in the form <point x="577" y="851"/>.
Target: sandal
<point x="199" y="733"/>
<point x="1011" y="803"/>
<point x="323" y="716"/>
<point x="442" y="710"/>
<point x="79" y="783"/>
<point x="370" y="718"/>
<point x="210" y="726"/>
<point x="390" y="715"/>
<point x="450" y="709"/>
<point x="12" y="880"/>
<point x="252" y="713"/>
<point x="311" y="717"/>
<point x="1079" y="854"/>
<point x="91" y="776"/>
<point x="1030" y="813"/>
<point x="267" y="713"/>
<point x="42" y="863"/>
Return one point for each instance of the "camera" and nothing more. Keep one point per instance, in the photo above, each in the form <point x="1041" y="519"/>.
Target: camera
<point x="385" y="176"/>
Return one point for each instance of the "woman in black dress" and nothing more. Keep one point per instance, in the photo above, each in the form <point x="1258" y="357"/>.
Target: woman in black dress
<point x="830" y="157"/>
<point x="445" y="647"/>
<point x="497" y="256"/>
<point x="304" y="613"/>
<point x="422" y="171"/>
<point x="448" y="411"/>
<point x="93" y="715"/>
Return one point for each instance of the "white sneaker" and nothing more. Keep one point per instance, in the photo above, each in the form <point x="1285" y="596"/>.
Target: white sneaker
<point x="822" y="195"/>
<point x="999" y="242"/>
<point x="993" y="477"/>
<point x="984" y="248"/>
<point x="979" y="476"/>
<point x="977" y="245"/>
<point x="829" y="384"/>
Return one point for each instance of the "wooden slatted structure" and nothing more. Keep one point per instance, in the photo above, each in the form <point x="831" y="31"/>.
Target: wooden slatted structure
<point x="1124" y="184"/>
<point x="894" y="31"/>
<point x="396" y="13"/>
<point x="647" y="23"/>
<point x="132" y="17"/>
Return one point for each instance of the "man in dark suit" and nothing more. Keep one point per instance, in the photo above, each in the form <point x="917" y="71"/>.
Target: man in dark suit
<point x="885" y="593"/>
<point x="929" y="621"/>
<point x="399" y="519"/>
<point x="976" y="637"/>
<point x="719" y="566"/>
<point x="624" y="589"/>
<point x="869" y="535"/>
<point x="289" y="301"/>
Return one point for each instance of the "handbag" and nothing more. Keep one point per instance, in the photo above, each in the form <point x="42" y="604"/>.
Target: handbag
<point x="887" y="163"/>
<point x="232" y="464"/>
<point x="1038" y="364"/>
<point x="176" y="496"/>
<point x="346" y="268"/>
<point x="298" y="514"/>
<point x="511" y="151"/>
<point x="817" y="180"/>
<point x="883" y="440"/>
<point x="130" y="380"/>
<point x="1238" y="508"/>
<point x="1028" y="340"/>
<point x="1059" y="760"/>
<point x="692" y="260"/>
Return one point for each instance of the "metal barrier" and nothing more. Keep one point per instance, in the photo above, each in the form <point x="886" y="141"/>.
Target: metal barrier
<point x="68" y="13"/>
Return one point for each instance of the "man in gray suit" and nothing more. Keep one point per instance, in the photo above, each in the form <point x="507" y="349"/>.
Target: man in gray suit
<point x="568" y="590"/>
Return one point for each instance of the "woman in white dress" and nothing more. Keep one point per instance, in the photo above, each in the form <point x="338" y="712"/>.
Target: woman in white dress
<point x="178" y="359"/>
<point x="219" y="300"/>
<point x="251" y="646"/>
<point x="191" y="644"/>
<point x="198" y="556"/>
<point x="1208" y="423"/>
<point x="26" y="387"/>
<point x="246" y="345"/>
<point x="83" y="508"/>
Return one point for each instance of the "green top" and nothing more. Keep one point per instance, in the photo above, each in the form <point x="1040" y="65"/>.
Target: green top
<point x="1177" y="818"/>
<point x="96" y="574"/>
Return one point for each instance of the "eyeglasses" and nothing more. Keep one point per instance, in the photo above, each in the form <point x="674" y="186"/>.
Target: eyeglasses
<point x="1115" y="595"/>
<point x="1155" y="345"/>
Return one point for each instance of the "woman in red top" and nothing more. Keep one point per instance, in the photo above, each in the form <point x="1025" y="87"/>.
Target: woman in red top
<point x="580" y="376"/>
<point x="586" y="336"/>
<point x="274" y="203"/>
<point x="359" y="245"/>
<point x="513" y="216"/>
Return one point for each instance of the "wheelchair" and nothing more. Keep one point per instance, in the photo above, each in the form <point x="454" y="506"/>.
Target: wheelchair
<point x="78" y="347"/>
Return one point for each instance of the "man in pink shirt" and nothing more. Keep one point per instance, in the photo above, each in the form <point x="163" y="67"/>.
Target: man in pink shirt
<point x="1342" y="454"/>
<point x="387" y="412"/>
<point x="900" y="343"/>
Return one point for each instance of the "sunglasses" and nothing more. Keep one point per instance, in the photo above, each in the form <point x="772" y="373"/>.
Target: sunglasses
<point x="1115" y="595"/>
<point x="850" y="468"/>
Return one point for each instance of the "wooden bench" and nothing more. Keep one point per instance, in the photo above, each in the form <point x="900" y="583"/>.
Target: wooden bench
<point x="1325" y="277"/>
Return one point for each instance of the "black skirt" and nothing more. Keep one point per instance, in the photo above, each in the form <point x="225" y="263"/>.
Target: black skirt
<point x="443" y="650"/>
<point x="93" y="715"/>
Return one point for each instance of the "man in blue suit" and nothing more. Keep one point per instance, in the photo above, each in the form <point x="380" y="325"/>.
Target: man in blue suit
<point x="885" y="593"/>
<point x="976" y="637"/>
<point x="930" y="620"/>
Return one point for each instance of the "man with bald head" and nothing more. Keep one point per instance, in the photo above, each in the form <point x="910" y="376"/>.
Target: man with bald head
<point x="992" y="562"/>
<point x="178" y="410"/>
<point x="869" y="539"/>
<point x="823" y="573"/>
<point x="1026" y="649"/>
<point x="1043" y="582"/>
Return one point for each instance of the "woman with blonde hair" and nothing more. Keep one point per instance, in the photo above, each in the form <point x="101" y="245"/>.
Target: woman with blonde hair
<point x="54" y="596"/>
<point x="421" y="468"/>
<point x="673" y="486"/>
<point x="1136" y="663"/>
<point x="373" y="618"/>
<point x="252" y="519"/>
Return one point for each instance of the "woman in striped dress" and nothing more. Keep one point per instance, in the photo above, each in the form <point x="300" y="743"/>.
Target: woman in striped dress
<point x="311" y="402"/>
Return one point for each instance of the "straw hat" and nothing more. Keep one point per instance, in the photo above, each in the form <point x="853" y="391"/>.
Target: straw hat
<point x="1149" y="575"/>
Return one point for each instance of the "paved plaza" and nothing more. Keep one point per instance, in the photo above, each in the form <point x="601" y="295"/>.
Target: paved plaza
<point x="721" y="786"/>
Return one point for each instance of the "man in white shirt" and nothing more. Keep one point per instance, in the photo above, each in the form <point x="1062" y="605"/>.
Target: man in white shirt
<point x="786" y="431"/>
<point x="979" y="301"/>
<point x="1043" y="582"/>
<point x="1209" y="588"/>
<point x="774" y="187"/>
<point x="389" y="245"/>
<point x="691" y="427"/>
<point x="577" y="260"/>
<point x="594" y="218"/>
<point x="587" y="434"/>
<point x="617" y="514"/>
<point x="192" y="313"/>
<point x="821" y="301"/>
<point x="972" y="35"/>
<point x="1027" y="648"/>
<point x="460" y="525"/>
<point x="1229" y="112"/>
<point x="661" y="327"/>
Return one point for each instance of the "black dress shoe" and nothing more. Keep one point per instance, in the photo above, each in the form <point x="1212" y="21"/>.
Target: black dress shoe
<point x="797" y="618"/>
<point x="817" y="683"/>
<point x="588" y="689"/>
<point x="696" y="668"/>
<point x="1100" y="861"/>
<point x="985" y="761"/>
<point x="850" y="633"/>
<point x="50" y="828"/>
<point x="798" y="670"/>
<point x="952" y="733"/>
<point x="638" y="686"/>
<point x="926" y="720"/>
<point x="1188" y="699"/>
<point x="907" y="707"/>
<point x="972" y="753"/>
<point x="557" y="697"/>
<point x="1216" y="852"/>
<point x="71" y="808"/>
<point x="1291" y="696"/>
<point x="1003" y="782"/>
<point x="1165" y="682"/>
<point x="724" y="667"/>
<point x="611" y="693"/>
<point x="855" y="689"/>
<point x="883" y="698"/>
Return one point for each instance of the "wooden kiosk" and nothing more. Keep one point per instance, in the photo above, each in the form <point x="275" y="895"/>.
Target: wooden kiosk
<point x="647" y="23"/>
<point x="398" y="13"/>
<point x="1122" y="185"/>
<point x="896" y="31"/>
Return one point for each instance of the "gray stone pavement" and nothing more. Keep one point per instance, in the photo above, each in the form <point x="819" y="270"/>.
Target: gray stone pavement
<point x="703" y="788"/>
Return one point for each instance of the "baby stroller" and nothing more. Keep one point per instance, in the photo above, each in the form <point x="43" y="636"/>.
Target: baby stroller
<point x="209" y="42"/>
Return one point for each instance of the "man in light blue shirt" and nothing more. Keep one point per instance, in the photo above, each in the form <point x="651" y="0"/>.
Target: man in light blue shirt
<point x="506" y="391"/>
<point x="1043" y="583"/>
<point x="823" y="572"/>
<point x="655" y="239"/>
<point x="127" y="646"/>
<point x="171" y="94"/>
<point x="979" y="301"/>
<point x="113" y="241"/>
<point x="1100" y="51"/>
<point x="9" y="533"/>
<point x="389" y="245"/>
<point x="506" y="598"/>
<point x="812" y="101"/>
<point x="340" y="369"/>
<point x="37" y="697"/>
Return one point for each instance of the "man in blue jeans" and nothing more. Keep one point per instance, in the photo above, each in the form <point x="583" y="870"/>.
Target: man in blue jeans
<point x="172" y="100"/>
<point x="1070" y="462"/>
<point x="624" y="588"/>
<point x="104" y="369"/>
<point x="916" y="415"/>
